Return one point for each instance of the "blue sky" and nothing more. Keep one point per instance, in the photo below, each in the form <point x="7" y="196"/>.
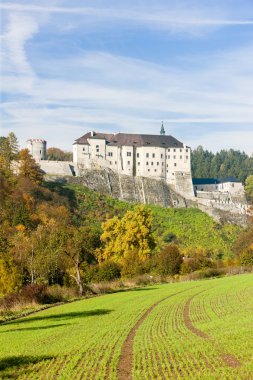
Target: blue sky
<point x="68" y="67"/>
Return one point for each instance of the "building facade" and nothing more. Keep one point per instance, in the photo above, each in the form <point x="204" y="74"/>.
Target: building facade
<point x="155" y="156"/>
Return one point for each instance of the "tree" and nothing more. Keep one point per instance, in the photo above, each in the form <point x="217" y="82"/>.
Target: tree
<point x="9" y="277"/>
<point x="249" y="188"/>
<point x="8" y="153"/>
<point x="169" y="260"/>
<point x="28" y="168"/>
<point x="80" y="247"/>
<point x="128" y="236"/>
<point x="56" y="154"/>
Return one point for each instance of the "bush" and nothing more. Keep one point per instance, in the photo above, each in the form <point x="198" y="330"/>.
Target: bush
<point x="33" y="294"/>
<point x="246" y="258"/>
<point x="108" y="271"/>
<point x="190" y="265"/>
<point x="169" y="260"/>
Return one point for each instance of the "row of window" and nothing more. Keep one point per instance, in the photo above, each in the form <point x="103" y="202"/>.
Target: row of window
<point x="152" y="163"/>
<point x="129" y="154"/>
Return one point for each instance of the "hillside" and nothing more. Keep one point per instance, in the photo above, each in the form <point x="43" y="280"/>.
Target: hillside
<point x="190" y="228"/>
<point x="193" y="330"/>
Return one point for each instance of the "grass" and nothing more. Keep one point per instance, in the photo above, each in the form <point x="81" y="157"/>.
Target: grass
<point x="84" y="339"/>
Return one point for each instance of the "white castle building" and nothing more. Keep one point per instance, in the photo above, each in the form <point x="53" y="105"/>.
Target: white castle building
<point x="155" y="156"/>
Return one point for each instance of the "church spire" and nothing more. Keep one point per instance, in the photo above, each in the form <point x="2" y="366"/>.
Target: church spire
<point x="162" y="131"/>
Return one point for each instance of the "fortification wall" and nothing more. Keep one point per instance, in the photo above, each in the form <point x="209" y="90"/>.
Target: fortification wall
<point x="61" y="168"/>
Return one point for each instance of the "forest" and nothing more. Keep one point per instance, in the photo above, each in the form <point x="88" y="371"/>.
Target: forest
<point x="57" y="234"/>
<point x="223" y="164"/>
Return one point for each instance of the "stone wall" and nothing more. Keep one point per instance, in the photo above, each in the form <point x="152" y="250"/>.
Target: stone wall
<point x="61" y="168"/>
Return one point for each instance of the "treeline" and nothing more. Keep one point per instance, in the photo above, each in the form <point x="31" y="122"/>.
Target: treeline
<point x="223" y="164"/>
<point x="54" y="234"/>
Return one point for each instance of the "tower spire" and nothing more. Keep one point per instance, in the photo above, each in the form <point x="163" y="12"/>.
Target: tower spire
<point x="162" y="131"/>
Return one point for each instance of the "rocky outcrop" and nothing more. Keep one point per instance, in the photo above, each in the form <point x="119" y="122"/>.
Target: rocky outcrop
<point x="221" y="206"/>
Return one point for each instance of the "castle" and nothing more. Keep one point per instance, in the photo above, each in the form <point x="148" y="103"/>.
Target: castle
<point x="145" y="169"/>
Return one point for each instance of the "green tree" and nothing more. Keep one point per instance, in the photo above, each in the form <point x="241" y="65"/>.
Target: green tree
<point x="249" y="188"/>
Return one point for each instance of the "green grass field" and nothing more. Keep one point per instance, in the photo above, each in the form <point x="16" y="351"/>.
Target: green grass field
<point x="194" y="330"/>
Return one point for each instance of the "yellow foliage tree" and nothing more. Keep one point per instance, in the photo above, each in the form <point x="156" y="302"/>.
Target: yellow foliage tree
<point x="9" y="278"/>
<point x="127" y="236"/>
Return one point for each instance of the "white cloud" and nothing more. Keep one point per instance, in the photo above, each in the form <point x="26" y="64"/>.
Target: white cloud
<point x="20" y="29"/>
<point x="174" y="17"/>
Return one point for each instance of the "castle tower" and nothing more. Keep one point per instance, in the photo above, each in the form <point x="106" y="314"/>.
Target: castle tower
<point x="37" y="148"/>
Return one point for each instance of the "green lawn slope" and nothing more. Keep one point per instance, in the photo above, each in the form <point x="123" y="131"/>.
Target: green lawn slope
<point x="191" y="228"/>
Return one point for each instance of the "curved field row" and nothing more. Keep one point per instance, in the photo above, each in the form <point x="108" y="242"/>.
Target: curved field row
<point x="176" y="331"/>
<point x="188" y="347"/>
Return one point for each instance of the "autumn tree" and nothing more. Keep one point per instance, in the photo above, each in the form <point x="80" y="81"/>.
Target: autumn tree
<point x="81" y="243"/>
<point x="56" y="154"/>
<point x="28" y="168"/>
<point x="127" y="237"/>
<point x="169" y="260"/>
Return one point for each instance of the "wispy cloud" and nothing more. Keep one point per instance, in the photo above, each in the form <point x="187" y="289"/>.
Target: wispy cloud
<point x="172" y="17"/>
<point x="203" y="102"/>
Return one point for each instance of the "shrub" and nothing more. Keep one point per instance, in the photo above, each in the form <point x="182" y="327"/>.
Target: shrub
<point x="108" y="271"/>
<point x="246" y="258"/>
<point x="169" y="260"/>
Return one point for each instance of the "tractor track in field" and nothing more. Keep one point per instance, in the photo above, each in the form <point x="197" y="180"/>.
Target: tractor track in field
<point x="227" y="358"/>
<point x="125" y="365"/>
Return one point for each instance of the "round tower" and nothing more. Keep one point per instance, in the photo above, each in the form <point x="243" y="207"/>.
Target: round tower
<point x="37" y="148"/>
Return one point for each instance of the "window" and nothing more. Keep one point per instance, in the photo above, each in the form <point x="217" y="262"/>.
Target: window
<point x="155" y="170"/>
<point x="148" y="170"/>
<point x="157" y="163"/>
<point x="162" y="163"/>
<point x="138" y="155"/>
<point x="186" y="150"/>
<point x="153" y="155"/>
<point x="115" y="162"/>
<point x="174" y="157"/>
<point x="152" y="163"/>
<point x="180" y="150"/>
<point x="146" y="163"/>
<point x="174" y="150"/>
<point x="181" y="157"/>
<point x="147" y="155"/>
<point x="168" y="157"/>
<point x="186" y="157"/>
<point x="128" y="162"/>
<point x="168" y="150"/>
<point x="97" y="150"/>
<point x="161" y="155"/>
<point x="110" y="154"/>
<point x="83" y="149"/>
<point x="110" y="162"/>
<point x="167" y="165"/>
<point x="175" y="164"/>
<point x="139" y="163"/>
<point x="129" y="154"/>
